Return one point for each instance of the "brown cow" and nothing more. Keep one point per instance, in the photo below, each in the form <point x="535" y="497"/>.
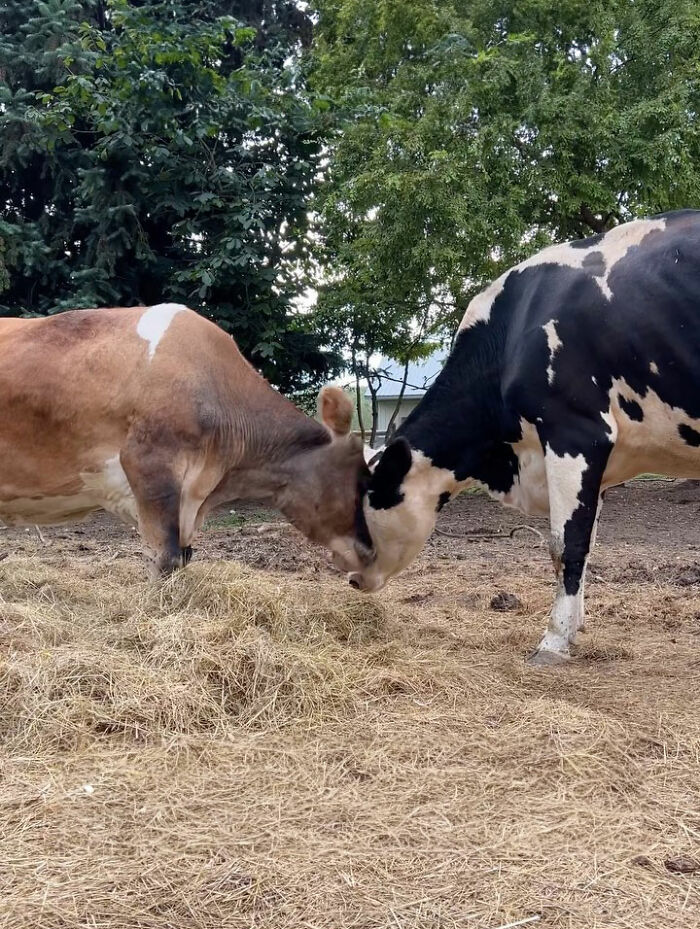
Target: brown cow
<point x="153" y="414"/>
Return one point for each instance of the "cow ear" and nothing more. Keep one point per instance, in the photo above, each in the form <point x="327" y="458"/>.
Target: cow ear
<point x="335" y="409"/>
<point x="389" y="474"/>
<point x="372" y="455"/>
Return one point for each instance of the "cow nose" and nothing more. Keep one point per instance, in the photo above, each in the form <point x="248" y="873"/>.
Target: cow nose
<point x="354" y="581"/>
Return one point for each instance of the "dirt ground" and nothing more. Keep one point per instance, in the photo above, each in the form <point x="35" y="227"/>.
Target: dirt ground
<point x="262" y="747"/>
<point x="649" y="532"/>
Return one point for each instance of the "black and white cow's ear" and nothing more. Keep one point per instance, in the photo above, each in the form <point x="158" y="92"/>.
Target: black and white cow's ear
<point x="389" y="474"/>
<point x="372" y="455"/>
<point x="335" y="410"/>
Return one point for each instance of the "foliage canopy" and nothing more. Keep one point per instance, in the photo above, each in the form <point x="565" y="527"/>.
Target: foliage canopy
<point x="156" y="151"/>
<point x="476" y="132"/>
<point x="174" y="150"/>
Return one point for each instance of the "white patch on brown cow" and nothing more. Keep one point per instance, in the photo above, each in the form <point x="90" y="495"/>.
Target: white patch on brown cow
<point x="613" y="247"/>
<point x="554" y="343"/>
<point x="154" y="322"/>
<point x="110" y="487"/>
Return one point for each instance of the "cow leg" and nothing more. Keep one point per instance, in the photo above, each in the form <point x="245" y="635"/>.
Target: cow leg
<point x="159" y="527"/>
<point x="573" y="483"/>
<point x="594" y="533"/>
<point x="157" y="492"/>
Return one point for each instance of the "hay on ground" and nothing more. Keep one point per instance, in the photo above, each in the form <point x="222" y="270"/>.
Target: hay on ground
<point x="241" y="749"/>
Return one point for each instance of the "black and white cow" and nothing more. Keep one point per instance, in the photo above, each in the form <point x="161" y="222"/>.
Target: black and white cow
<point x="574" y="371"/>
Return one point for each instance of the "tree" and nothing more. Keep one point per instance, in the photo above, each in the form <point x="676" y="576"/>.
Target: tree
<point x="164" y="150"/>
<point x="366" y="334"/>
<point x="475" y="133"/>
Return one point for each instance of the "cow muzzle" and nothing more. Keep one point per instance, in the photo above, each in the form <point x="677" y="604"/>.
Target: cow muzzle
<point x="364" y="583"/>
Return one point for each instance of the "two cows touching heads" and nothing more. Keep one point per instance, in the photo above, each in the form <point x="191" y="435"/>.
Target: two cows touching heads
<point x="394" y="507"/>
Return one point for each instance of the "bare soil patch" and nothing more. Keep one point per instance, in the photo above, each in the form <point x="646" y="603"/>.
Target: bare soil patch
<point x="253" y="744"/>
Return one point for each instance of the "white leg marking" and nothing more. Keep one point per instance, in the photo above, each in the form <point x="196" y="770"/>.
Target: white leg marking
<point x="564" y="480"/>
<point x="564" y="623"/>
<point x="154" y="323"/>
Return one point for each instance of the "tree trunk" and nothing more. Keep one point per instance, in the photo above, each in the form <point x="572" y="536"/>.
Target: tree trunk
<point x="358" y="401"/>
<point x="390" y="425"/>
<point x="596" y="223"/>
<point x="375" y="410"/>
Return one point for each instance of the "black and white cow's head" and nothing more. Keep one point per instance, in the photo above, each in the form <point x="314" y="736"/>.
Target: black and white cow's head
<point x="400" y="507"/>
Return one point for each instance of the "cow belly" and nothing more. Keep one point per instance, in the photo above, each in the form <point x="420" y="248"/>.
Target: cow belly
<point x="104" y="488"/>
<point x="652" y="439"/>
<point x="529" y="491"/>
<point x="110" y="486"/>
<point x="46" y="511"/>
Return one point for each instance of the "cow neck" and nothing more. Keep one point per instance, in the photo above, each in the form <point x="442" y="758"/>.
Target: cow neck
<point x="459" y="423"/>
<point x="265" y="449"/>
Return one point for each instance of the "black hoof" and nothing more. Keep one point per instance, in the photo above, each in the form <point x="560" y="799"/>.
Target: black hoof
<point x="186" y="555"/>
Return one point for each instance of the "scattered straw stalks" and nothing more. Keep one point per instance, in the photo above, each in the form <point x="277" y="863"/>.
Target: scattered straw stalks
<point x="240" y="749"/>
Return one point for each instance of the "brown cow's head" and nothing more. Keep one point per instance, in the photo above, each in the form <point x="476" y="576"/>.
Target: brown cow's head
<point x="325" y="497"/>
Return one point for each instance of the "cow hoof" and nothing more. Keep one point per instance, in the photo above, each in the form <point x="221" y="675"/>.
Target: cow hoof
<point x="186" y="555"/>
<point x="544" y="658"/>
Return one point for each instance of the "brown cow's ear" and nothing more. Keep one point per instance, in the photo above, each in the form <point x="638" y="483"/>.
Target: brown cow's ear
<point x="335" y="409"/>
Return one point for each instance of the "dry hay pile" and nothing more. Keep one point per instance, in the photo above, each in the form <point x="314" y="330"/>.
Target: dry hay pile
<point x="238" y="749"/>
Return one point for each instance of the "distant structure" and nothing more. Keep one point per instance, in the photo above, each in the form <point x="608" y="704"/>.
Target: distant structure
<point x="421" y="375"/>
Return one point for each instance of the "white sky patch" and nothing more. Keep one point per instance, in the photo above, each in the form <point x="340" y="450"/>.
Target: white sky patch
<point x="154" y="323"/>
<point x="554" y="343"/>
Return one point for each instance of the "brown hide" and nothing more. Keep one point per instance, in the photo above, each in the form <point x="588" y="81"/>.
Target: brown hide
<point x="153" y="414"/>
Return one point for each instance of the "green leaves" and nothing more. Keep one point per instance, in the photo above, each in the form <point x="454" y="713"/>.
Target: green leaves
<point x="169" y="150"/>
<point x="473" y="134"/>
<point x="160" y="151"/>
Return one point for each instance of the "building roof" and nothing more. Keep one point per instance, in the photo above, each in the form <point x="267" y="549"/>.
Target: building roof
<point x="421" y="375"/>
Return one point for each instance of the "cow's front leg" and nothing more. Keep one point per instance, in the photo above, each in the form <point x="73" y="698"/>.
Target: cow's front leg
<point x="157" y="491"/>
<point x="582" y="618"/>
<point x="160" y="531"/>
<point x="573" y="483"/>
